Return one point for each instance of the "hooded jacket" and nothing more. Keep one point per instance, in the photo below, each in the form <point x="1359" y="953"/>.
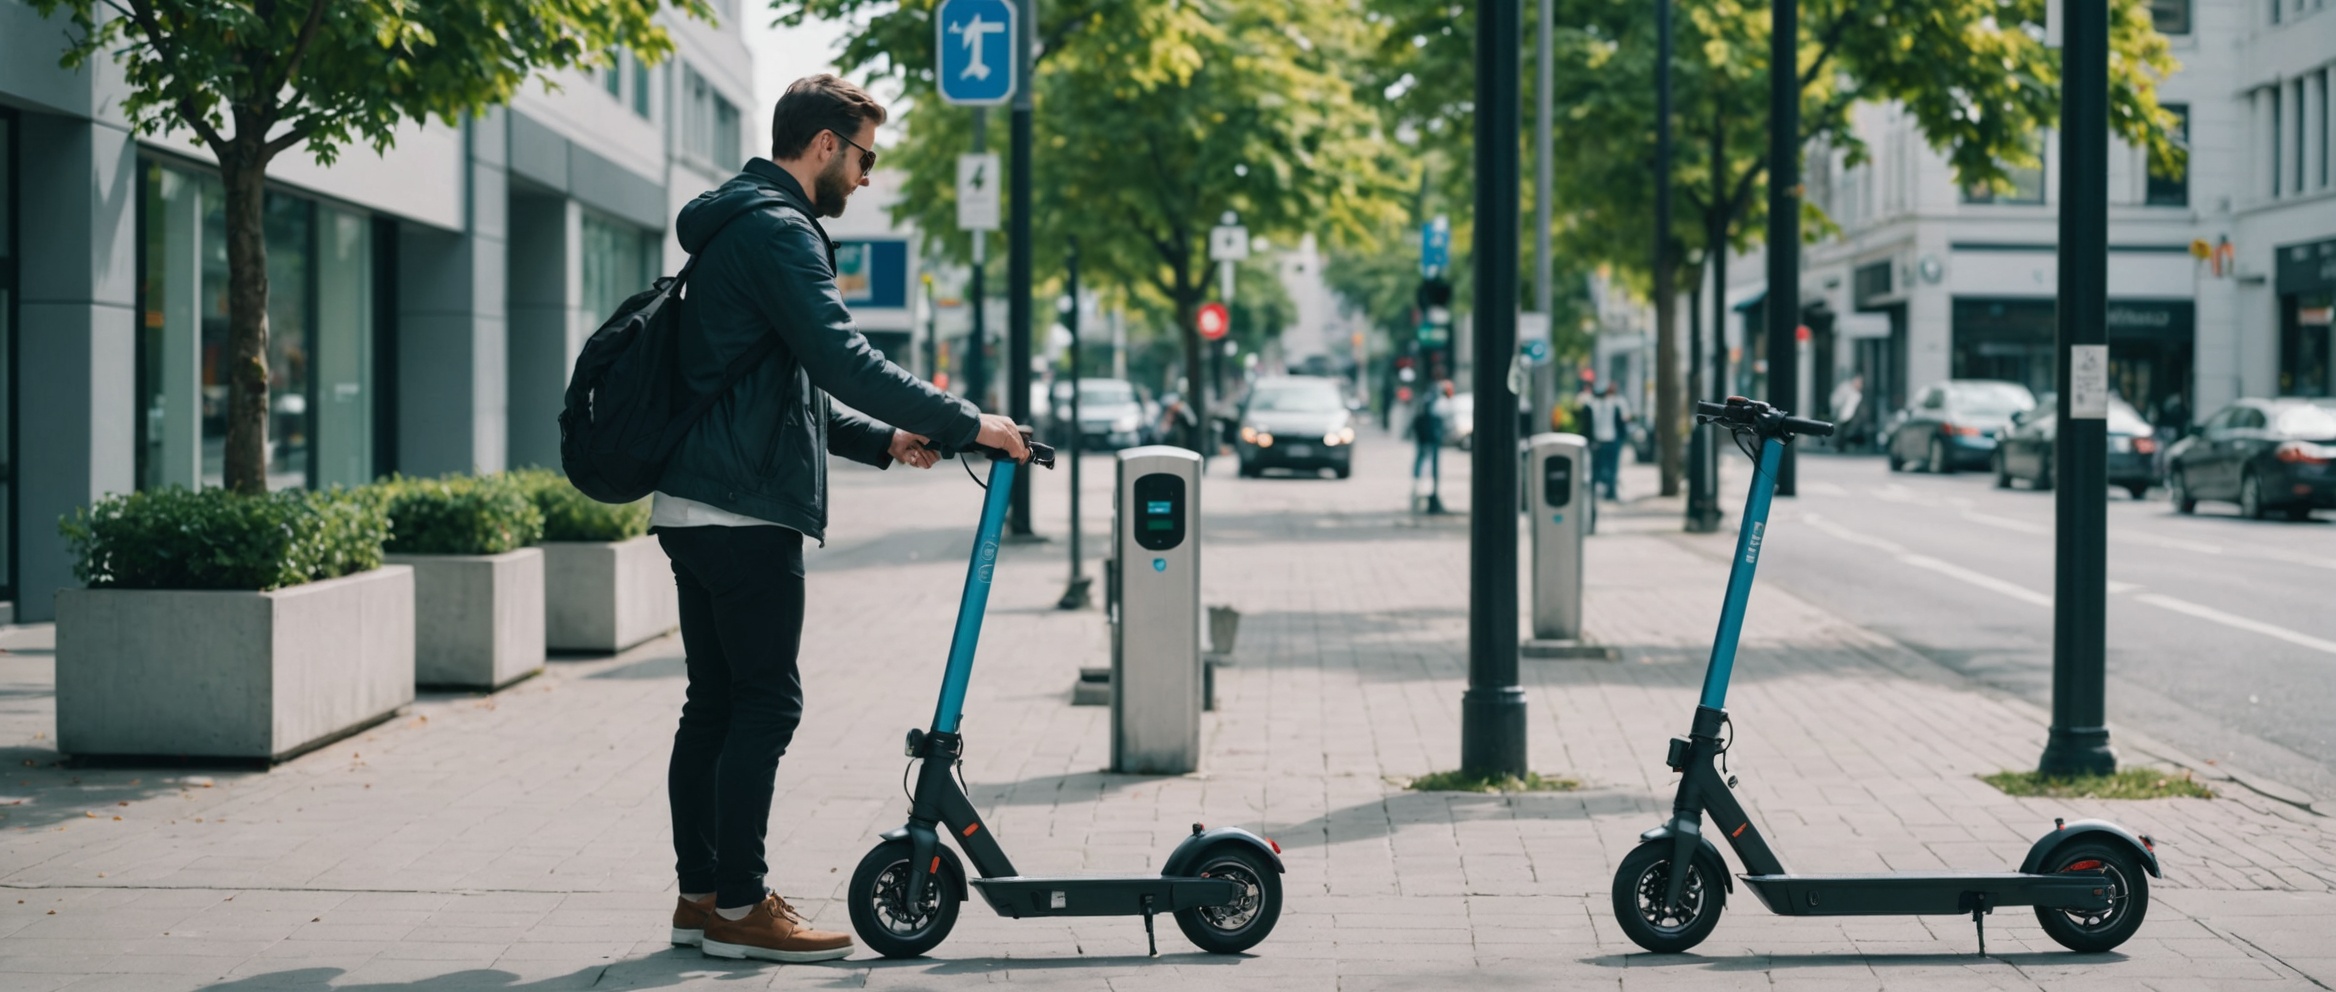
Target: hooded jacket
<point x="762" y="449"/>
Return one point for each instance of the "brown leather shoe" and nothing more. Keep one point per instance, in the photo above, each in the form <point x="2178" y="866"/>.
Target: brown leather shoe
<point x="773" y="931"/>
<point x="689" y="921"/>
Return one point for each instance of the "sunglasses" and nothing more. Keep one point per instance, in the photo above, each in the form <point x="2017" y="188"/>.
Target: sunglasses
<point x="867" y="156"/>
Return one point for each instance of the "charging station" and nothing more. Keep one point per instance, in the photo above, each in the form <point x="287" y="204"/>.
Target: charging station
<point x="1560" y="502"/>
<point x="1156" y="612"/>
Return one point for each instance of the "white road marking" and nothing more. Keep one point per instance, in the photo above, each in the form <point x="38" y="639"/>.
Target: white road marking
<point x="1980" y="579"/>
<point x="2238" y="622"/>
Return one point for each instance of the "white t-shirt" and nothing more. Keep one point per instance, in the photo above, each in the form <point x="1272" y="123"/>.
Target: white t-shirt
<point x="674" y="511"/>
<point x="1606" y="415"/>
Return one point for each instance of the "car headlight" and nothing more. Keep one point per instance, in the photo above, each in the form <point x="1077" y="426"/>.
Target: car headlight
<point x="1264" y="440"/>
<point x="1346" y="435"/>
<point x="1332" y="439"/>
<point x="1249" y="434"/>
<point x="1125" y="423"/>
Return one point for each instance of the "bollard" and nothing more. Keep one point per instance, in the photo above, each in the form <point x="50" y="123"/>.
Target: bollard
<point x="1156" y="643"/>
<point x="1560" y="504"/>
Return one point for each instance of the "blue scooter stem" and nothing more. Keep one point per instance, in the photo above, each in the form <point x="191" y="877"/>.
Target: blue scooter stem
<point x="975" y="601"/>
<point x="1748" y="537"/>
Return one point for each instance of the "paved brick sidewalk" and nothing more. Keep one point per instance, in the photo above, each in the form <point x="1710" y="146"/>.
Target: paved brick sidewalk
<point x="519" y="840"/>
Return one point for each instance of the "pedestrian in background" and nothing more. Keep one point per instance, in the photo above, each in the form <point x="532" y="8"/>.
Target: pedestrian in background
<point x="1609" y="416"/>
<point x="734" y="523"/>
<point x="1429" y="419"/>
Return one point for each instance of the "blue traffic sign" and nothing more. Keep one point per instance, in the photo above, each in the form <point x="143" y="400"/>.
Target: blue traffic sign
<point x="977" y="52"/>
<point x="1435" y="246"/>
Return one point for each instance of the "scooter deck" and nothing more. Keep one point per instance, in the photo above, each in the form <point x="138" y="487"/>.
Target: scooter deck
<point x="1925" y="894"/>
<point x="1102" y="895"/>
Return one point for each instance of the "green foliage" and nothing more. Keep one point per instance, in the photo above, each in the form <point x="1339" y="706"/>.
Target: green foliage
<point x="2129" y="783"/>
<point x="459" y="515"/>
<point x="180" y="538"/>
<point x="1153" y="117"/>
<point x="335" y="72"/>
<point x="569" y="515"/>
<point x="1463" y="781"/>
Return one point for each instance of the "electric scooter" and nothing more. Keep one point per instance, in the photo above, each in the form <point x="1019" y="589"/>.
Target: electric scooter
<point x="1223" y="885"/>
<point x="2084" y="879"/>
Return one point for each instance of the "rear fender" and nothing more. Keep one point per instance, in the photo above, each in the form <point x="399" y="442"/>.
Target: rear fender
<point x="952" y="868"/>
<point x="1186" y="857"/>
<point x="2069" y="832"/>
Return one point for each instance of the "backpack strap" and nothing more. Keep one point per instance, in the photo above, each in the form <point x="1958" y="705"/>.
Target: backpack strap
<point x="746" y="361"/>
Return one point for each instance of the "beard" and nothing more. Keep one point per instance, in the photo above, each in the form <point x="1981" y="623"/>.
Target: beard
<point x="830" y="188"/>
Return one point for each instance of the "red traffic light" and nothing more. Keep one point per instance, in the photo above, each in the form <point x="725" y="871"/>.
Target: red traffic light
<point x="1213" y="321"/>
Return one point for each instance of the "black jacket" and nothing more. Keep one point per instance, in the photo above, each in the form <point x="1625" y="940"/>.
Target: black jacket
<point x="762" y="449"/>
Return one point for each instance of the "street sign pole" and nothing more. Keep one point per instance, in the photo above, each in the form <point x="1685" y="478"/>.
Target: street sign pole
<point x="1544" y="297"/>
<point x="1784" y="220"/>
<point x="1074" y="598"/>
<point x="2079" y="741"/>
<point x="1228" y="245"/>
<point x="977" y="350"/>
<point x="977" y="68"/>
<point x="1018" y="263"/>
<point x="1492" y="711"/>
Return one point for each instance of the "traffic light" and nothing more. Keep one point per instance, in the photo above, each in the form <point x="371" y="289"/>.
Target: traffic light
<point x="1435" y="311"/>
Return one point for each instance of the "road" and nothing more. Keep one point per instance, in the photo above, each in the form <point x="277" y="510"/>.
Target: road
<point x="2221" y="637"/>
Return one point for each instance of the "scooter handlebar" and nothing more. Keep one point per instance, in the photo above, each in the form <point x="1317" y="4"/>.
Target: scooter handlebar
<point x="1762" y="419"/>
<point x="1041" y="455"/>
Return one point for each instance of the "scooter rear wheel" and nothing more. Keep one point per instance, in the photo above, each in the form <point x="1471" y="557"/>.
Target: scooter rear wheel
<point x="1240" y="926"/>
<point x="1641" y="887"/>
<point x="2093" y="931"/>
<point x="879" y="902"/>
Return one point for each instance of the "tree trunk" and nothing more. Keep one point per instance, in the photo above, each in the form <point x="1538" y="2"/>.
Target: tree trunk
<point x="1670" y="426"/>
<point x="1187" y="331"/>
<point x="244" y="174"/>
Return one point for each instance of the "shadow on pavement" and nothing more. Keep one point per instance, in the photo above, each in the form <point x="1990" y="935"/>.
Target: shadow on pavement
<point x="1757" y="962"/>
<point x="652" y="971"/>
<point x="1379" y="819"/>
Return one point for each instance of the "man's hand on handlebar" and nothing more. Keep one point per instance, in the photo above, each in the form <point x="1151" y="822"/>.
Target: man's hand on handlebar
<point x="911" y="449"/>
<point x="999" y="431"/>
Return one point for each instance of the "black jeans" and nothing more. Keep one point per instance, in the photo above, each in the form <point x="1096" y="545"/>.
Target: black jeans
<point x="741" y="624"/>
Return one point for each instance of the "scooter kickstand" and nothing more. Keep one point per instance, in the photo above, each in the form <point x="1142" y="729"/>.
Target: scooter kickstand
<point x="1151" y="944"/>
<point x="1979" y="910"/>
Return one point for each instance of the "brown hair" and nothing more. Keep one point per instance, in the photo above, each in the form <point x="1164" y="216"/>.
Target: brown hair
<point x="819" y="103"/>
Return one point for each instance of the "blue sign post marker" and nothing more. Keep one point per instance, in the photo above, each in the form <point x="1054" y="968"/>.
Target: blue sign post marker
<point x="977" y="52"/>
<point x="1435" y="246"/>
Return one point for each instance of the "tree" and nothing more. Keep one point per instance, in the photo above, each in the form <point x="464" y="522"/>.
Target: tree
<point x="1153" y="118"/>
<point x="1973" y="74"/>
<point x="252" y="79"/>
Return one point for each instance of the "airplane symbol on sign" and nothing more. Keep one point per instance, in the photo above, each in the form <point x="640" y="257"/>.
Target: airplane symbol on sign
<point x="972" y="34"/>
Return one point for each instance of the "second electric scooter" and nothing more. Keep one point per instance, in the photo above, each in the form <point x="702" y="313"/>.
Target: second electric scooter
<point x="1223" y="885"/>
<point x="2084" y="878"/>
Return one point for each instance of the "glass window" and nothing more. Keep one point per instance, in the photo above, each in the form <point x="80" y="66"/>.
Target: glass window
<point x="619" y="260"/>
<point x="2173" y="190"/>
<point x="183" y="356"/>
<point x="344" y="348"/>
<point x="2170" y="16"/>
<point x="640" y="87"/>
<point x="613" y="77"/>
<point x="7" y="353"/>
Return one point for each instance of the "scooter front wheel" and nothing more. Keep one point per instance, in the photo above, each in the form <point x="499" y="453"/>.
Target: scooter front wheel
<point x="881" y="912"/>
<point x="1642" y="886"/>
<point x="2093" y="931"/>
<point x="1240" y="926"/>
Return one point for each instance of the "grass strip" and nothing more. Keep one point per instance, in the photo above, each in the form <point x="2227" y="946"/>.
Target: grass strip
<point x="1471" y="782"/>
<point x="2129" y="783"/>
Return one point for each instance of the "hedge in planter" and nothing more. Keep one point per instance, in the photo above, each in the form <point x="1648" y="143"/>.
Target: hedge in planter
<point x="607" y="586"/>
<point x="230" y="626"/>
<point x="478" y="586"/>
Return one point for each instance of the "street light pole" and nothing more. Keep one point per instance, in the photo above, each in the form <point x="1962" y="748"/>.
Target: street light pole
<point x="977" y="369"/>
<point x="1492" y="711"/>
<point x="2079" y="742"/>
<point x="1544" y="297"/>
<point x="1784" y="219"/>
<point x="1018" y="260"/>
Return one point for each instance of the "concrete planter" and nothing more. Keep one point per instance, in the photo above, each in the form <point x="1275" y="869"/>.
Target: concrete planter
<point x="607" y="597"/>
<point x="200" y="673"/>
<point x="479" y="618"/>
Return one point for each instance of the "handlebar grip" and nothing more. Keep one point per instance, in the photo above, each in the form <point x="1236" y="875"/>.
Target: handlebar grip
<point x="1808" y="428"/>
<point x="1706" y="409"/>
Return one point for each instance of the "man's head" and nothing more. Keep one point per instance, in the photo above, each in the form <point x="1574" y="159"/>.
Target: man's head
<point x="1606" y="388"/>
<point x="823" y="132"/>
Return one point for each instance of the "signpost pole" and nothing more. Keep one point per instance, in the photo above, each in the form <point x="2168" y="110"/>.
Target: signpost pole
<point x="1492" y="711"/>
<point x="1018" y="261"/>
<point x="1784" y="219"/>
<point x="977" y="349"/>
<point x="1074" y="598"/>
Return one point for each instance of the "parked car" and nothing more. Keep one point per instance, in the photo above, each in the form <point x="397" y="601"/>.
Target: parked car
<point x="1296" y="422"/>
<point x="1111" y="415"/>
<point x="1954" y="424"/>
<point x="2265" y="455"/>
<point x="2026" y="452"/>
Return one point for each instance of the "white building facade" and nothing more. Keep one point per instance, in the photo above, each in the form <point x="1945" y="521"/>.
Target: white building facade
<point x="1928" y="280"/>
<point x="425" y="304"/>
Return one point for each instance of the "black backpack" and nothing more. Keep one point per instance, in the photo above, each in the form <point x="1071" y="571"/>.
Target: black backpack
<point x="626" y="411"/>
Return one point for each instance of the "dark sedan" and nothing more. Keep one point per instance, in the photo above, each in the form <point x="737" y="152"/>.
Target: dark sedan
<point x="1954" y="424"/>
<point x="2026" y="451"/>
<point x="1296" y="422"/>
<point x="2268" y="456"/>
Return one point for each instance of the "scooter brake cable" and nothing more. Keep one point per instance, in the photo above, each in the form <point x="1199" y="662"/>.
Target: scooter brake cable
<point x="968" y="463"/>
<point x="904" y="789"/>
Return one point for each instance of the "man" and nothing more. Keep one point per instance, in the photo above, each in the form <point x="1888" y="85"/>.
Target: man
<point x="1609" y="426"/>
<point x="749" y="485"/>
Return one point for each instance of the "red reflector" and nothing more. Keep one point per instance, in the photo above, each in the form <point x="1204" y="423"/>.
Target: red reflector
<point x="969" y="829"/>
<point x="2088" y="864"/>
<point x="1739" y="831"/>
<point x="1276" y="845"/>
<point x="2144" y="445"/>
<point x="936" y="864"/>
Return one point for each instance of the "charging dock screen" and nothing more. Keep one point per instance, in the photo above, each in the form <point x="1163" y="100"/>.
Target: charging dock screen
<point x="1159" y="516"/>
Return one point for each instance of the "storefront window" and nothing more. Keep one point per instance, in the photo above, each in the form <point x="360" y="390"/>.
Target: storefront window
<point x="619" y="260"/>
<point x="319" y="273"/>
<point x="2306" y="367"/>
